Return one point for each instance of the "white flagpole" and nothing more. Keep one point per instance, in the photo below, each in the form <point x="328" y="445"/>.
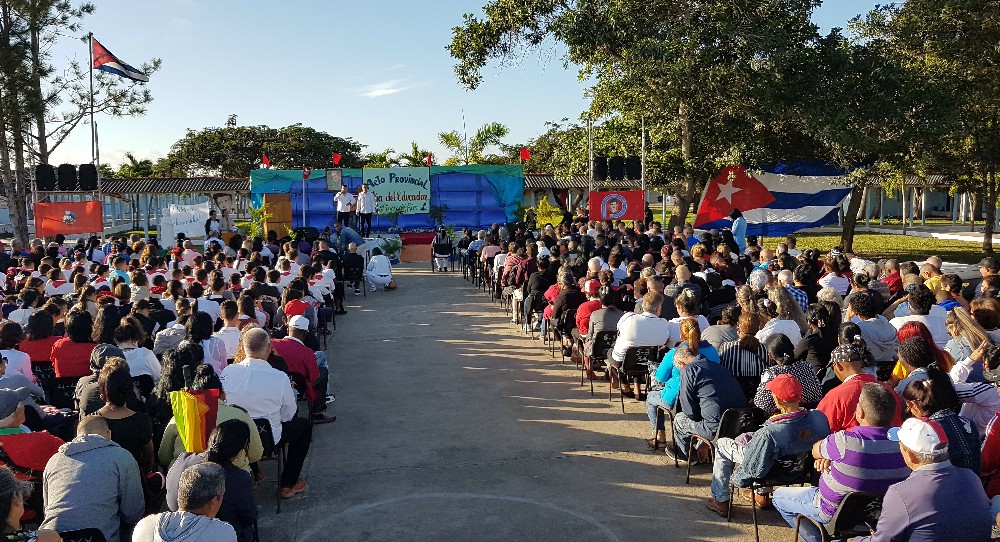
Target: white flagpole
<point x="93" y="127"/>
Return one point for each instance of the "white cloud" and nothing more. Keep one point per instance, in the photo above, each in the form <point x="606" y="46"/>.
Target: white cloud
<point x="385" y="88"/>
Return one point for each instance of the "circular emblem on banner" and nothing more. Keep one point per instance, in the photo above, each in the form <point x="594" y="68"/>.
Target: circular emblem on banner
<point x="613" y="206"/>
<point x="69" y="217"/>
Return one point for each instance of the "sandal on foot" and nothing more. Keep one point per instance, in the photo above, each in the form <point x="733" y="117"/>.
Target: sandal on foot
<point x="656" y="445"/>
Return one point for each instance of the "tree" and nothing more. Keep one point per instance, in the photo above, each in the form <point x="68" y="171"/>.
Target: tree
<point x="702" y="72"/>
<point x="134" y="168"/>
<point x="40" y="108"/>
<point x="417" y="157"/>
<point x="471" y="150"/>
<point x="381" y="159"/>
<point x="948" y="48"/>
<point x="233" y="151"/>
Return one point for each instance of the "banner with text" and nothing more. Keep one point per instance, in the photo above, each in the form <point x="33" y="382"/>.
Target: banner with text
<point x="186" y="219"/>
<point x="403" y="189"/>
<point x="620" y="205"/>
<point x="68" y="218"/>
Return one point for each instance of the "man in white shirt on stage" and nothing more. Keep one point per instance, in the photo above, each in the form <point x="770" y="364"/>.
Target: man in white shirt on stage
<point x="266" y="393"/>
<point x="366" y="208"/>
<point x="344" y="200"/>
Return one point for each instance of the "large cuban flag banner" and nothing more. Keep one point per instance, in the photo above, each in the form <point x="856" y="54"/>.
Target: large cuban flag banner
<point x="774" y="203"/>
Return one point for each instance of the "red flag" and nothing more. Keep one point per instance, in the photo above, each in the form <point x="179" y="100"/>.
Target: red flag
<point x="266" y="161"/>
<point x="68" y="217"/>
<point x="306" y="173"/>
<point x="430" y="158"/>
<point x="336" y="158"/>
<point x="525" y="153"/>
<point x="618" y="205"/>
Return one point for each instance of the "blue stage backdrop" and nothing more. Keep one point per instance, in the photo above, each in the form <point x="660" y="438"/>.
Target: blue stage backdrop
<point x="476" y="196"/>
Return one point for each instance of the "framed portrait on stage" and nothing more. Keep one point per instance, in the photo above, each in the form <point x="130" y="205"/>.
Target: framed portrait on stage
<point x="334" y="178"/>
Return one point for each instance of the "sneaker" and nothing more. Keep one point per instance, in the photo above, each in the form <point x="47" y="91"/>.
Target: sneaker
<point x="374" y="289"/>
<point x="289" y="492"/>
<point x="330" y="398"/>
<point x="323" y="418"/>
<point x="357" y="291"/>
<point x="341" y="312"/>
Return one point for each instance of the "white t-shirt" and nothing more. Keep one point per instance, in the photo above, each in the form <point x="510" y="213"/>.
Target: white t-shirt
<point x="142" y="361"/>
<point x="775" y="326"/>
<point x="18" y="363"/>
<point x="344" y="202"/>
<point x="230" y="336"/>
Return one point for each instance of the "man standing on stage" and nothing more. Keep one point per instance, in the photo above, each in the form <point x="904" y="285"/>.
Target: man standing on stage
<point x="344" y="200"/>
<point x="366" y="208"/>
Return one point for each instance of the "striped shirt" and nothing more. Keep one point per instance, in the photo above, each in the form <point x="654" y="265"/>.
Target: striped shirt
<point x="743" y="363"/>
<point x="861" y="459"/>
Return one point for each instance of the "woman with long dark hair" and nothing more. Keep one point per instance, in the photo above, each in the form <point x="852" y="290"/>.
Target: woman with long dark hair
<point x="71" y="354"/>
<point x="227" y="442"/>
<point x="935" y="398"/>
<point x="782" y="354"/>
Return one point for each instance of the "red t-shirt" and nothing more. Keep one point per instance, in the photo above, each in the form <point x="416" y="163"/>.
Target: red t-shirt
<point x="841" y="403"/>
<point x="583" y="314"/>
<point x="71" y="359"/>
<point x="301" y="360"/>
<point x="40" y="350"/>
<point x="30" y="450"/>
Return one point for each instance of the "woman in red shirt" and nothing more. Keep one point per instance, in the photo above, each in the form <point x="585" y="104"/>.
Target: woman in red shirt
<point x="40" y="340"/>
<point x="71" y="354"/>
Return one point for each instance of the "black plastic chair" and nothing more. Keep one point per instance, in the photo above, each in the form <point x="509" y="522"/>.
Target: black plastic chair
<point x="603" y="342"/>
<point x="60" y="391"/>
<point x="271" y="448"/>
<point x="44" y="372"/>
<point x="788" y="470"/>
<point x="734" y="422"/>
<point x="857" y="515"/>
<point x="635" y="364"/>
<point x="83" y="535"/>
<point x="441" y="250"/>
<point x="354" y="275"/>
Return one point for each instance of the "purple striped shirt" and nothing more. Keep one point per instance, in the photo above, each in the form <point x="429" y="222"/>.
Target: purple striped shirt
<point x="861" y="459"/>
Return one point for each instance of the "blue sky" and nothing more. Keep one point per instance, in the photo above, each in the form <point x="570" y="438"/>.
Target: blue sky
<point x="376" y="71"/>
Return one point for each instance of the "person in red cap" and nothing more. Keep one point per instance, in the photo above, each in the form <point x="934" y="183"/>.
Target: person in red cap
<point x="591" y="289"/>
<point x="938" y="501"/>
<point x="791" y="431"/>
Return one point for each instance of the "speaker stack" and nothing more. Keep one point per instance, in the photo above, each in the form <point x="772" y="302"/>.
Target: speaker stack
<point x="66" y="178"/>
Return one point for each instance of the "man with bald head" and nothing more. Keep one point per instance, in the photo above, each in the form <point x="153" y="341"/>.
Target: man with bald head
<point x="354" y="266"/>
<point x="891" y="277"/>
<point x="266" y="393"/>
<point x="682" y="281"/>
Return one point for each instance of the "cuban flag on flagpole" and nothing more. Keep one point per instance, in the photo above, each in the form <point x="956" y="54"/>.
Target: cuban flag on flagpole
<point x="105" y="61"/>
<point x="775" y="202"/>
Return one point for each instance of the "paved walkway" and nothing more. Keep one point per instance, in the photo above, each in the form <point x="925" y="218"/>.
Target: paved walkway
<point x="452" y="426"/>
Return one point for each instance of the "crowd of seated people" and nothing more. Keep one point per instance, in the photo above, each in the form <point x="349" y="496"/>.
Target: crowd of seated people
<point x="96" y="338"/>
<point x="882" y="373"/>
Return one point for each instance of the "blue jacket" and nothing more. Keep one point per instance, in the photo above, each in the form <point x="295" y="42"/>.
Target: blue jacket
<point x="781" y="435"/>
<point x="670" y="376"/>
<point x="937" y="502"/>
<point x="707" y="390"/>
<point x="348" y="236"/>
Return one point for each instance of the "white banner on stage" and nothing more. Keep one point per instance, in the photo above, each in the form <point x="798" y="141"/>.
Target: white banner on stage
<point x="186" y="219"/>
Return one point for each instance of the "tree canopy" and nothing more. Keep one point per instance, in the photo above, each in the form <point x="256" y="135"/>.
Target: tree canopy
<point x="233" y="151"/>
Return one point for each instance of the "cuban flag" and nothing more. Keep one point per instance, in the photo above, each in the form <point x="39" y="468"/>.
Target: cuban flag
<point x="105" y="61"/>
<point x="789" y="198"/>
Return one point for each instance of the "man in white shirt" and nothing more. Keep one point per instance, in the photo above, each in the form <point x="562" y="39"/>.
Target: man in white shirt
<point x="366" y="208"/>
<point x="644" y="329"/>
<point x="921" y="301"/>
<point x="344" y="200"/>
<point x="230" y="332"/>
<point x="266" y="393"/>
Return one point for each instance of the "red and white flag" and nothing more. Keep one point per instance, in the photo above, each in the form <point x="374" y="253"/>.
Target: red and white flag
<point x="306" y="173"/>
<point x="265" y="160"/>
<point x="430" y="159"/>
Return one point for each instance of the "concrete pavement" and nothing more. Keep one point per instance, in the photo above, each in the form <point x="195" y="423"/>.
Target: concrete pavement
<point x="454" y="426"/>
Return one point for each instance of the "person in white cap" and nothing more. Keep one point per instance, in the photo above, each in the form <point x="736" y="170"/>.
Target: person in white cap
<point x="938" y="501"/>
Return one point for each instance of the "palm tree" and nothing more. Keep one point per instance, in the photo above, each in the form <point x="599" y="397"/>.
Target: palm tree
<point x="417" y="157"/>
<point x="381" y="159"/>
<point x="134" y="167"/>
<point x="470" y="151"/>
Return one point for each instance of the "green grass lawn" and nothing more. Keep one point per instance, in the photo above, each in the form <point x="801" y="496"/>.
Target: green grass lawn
<point x="902" y="247"/>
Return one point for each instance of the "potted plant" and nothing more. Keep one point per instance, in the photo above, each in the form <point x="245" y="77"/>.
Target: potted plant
<point x="393" y="214"/>
<point x="392" y="246"/>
